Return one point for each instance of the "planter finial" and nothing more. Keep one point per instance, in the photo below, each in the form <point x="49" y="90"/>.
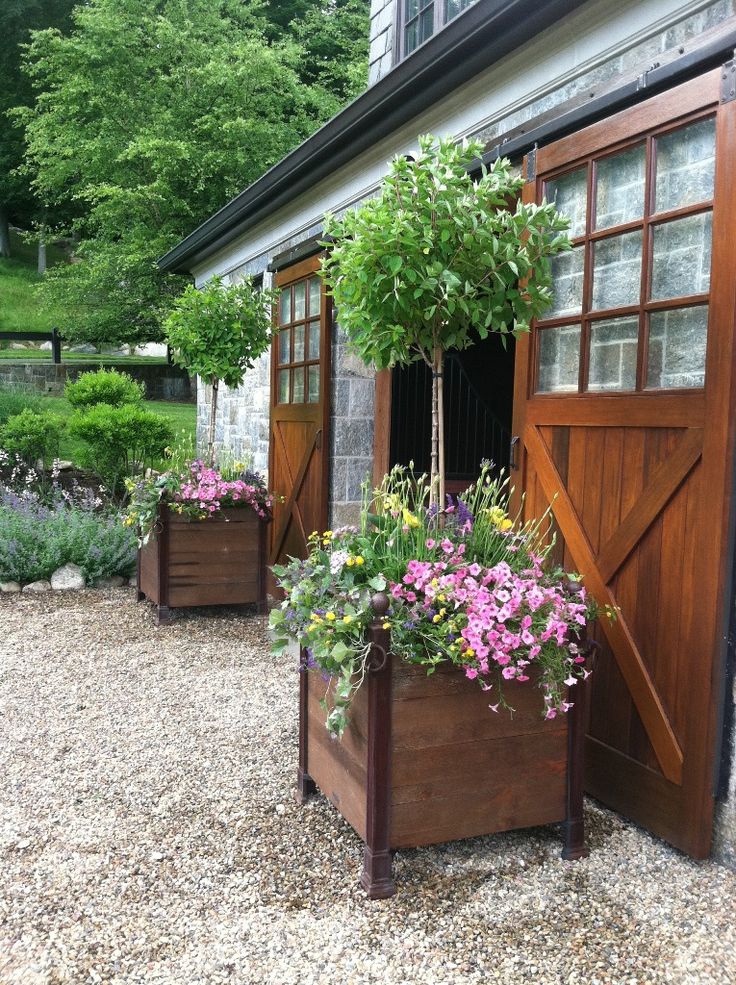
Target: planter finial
<point x="380" y="604"/>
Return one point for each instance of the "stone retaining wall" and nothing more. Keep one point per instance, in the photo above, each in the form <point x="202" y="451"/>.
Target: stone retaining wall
<point x="162" y="382"/>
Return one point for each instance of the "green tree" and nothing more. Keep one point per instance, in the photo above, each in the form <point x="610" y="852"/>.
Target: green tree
<point x="17" y="19"/>
<point x="218" y="332"/>
<point x="439" y="260"/>
<point x="333" y="35"/>
<point x="151" y="115"/>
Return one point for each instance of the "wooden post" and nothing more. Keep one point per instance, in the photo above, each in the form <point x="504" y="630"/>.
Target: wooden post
<point x="305" y="785"/>
<point x="574" y="826"/>
<point x="163" y="612"/>
<point x="55" y="346"/>
<point x="377" y="877"/>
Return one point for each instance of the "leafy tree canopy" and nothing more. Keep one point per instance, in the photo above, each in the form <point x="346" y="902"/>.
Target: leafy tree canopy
<point x="438" y="260"/>
<point x="152" y="115"/>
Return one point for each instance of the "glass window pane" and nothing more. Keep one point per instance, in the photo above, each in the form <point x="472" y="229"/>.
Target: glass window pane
<point x="426" y="23"/>
<point x="299" y="343"/>
<point x="297" y="394"/>
<point x="677" y="341"/>
<point x="300" y="300"/>
<point x="686" y="166"/>
<point x="285" y="307"/>
<point x="313" y="340"/>
<point x="453" y="8"/>
<point x="567" y="283"/>
<point x="411" y="9"/>
<point x="283" y="386"/>
<point x="314" y="296"/>
<point x="313" y="388"/>
<point x="284" y="345"/>
<point x="616" y="271"/>
<point x="681" y="257"/>
<point x="619" y="188"/>
<point x="569" y="192"/>
<point x="410" y="36"/>
<point x="559" y="359"/>
<point x="613" y="344"/>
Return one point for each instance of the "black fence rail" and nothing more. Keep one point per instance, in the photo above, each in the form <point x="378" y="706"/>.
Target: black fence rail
<point x="53" y="337"/>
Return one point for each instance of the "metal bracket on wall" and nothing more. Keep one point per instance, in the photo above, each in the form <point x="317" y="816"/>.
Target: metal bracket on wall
<point x="728" y="81"/>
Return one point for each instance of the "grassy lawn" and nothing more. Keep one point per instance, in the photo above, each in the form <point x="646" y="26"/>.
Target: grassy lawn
<point x="95" y="359"/>
<point x="19" y="311"/>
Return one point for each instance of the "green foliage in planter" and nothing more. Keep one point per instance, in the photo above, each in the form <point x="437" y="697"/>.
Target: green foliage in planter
<point x="31" y="437"/>
<point x="122" y="441"/>
<point x="218" y="332"/>
<point x="106" y="386"/>
<point x="438" y="260"/>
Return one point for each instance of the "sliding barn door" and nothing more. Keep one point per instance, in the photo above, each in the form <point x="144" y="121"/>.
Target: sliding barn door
<point x="300" y="401"/>
<point x="624" y="405"/>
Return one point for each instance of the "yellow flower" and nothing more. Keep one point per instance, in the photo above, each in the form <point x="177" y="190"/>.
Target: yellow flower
<point x="331" y="617"/>
<point x="386" y="625"/>
<point x="350" y="562"/>
<point x="505" y="525"/>
<point x="409" y="519"/>
<point x="347" y="619"/>
<point x="359" y="560"/>
<point x="441" y="598"/>
<point x="436" y="618"/>
<point x="327" y="534"/>
<point x="443" y="612"/>
<point x="470" y="652"/>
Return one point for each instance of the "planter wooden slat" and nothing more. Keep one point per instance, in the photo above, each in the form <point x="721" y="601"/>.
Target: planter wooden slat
<point x="216" y="561"/>
<point x="425" y="760"/>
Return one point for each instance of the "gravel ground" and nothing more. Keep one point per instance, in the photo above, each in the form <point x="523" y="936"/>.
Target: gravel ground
<point x="147" y="834"/>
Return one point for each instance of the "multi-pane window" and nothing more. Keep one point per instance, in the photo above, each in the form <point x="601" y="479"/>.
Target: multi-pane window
<point x="421" y="18"/>
<point x="630" y="309"/>
<point x="298" y="343"/>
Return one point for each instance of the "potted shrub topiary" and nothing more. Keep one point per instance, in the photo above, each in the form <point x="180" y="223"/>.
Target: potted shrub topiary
<point x="435" y="610"/>
<point x="202" y="529"/>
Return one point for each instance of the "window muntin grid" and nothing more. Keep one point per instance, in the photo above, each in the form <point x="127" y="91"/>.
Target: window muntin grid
<point x="298" y="345"/>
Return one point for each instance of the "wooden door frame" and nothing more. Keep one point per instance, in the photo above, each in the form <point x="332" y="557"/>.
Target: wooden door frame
<point x="712" y="409"/>
<point x="283" y="278"/>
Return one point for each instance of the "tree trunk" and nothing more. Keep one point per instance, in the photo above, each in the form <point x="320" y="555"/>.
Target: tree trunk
<point x="213" y="421"/>
<point x="437" y="468"/>
<point x="42" y="251"/>
<point x="4" y="232"/>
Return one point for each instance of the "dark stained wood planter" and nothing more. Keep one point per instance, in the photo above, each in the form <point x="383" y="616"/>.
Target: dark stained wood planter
<point x="424" y="760"/>
<point x="217" y="561"/>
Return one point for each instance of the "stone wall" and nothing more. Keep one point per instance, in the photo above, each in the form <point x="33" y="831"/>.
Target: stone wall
<point x="162" y="382"/>
<point x="381" y="53"/>
<point x="351" y="425"/>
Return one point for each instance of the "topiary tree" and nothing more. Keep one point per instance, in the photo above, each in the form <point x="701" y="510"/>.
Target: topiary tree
<point x="218" y="332"/>
<point x="438" y="260"/>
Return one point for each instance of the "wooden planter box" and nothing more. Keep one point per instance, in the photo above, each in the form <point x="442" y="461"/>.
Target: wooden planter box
<point x="424" y="760"/>
<point x="217" y="561"/>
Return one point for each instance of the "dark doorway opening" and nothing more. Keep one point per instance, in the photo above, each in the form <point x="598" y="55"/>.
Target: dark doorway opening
<point x="479" y="387"/>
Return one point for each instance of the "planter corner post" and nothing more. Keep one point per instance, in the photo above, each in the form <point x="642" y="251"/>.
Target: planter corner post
<point x="574" y="825"/>
<point x="377" y="876"/>
<point x="305" y="785"/>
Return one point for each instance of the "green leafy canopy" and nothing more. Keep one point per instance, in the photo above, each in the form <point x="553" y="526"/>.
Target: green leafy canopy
<point x="219" y="331"/>
<point x="439" y="259"/>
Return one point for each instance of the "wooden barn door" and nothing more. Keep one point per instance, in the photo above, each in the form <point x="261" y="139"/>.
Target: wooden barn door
<point x="300" y="400"/>
<point x="624" y="403"/>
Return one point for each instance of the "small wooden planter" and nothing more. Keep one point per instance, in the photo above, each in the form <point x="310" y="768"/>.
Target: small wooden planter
<point x="217" y="561"/>
<point x="424" y="760"/>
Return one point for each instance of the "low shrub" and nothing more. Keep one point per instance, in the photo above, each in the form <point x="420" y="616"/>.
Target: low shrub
<point x="13" y="400"/>
<point x="32" y="437"/>
<point x="37" y="538"/>
<point x="105" y="386"/>
<point x="122" y="441"/>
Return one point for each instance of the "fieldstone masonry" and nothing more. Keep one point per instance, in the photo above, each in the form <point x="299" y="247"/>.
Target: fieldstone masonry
<point x="381" y="55"/>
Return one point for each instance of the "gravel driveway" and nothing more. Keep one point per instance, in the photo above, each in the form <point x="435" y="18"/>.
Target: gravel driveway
<point x="147" y="834"/>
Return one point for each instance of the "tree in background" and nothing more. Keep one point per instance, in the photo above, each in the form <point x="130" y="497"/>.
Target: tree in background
<point x="17" y="19"/>
<point x="149" y="116"/>
<point x="437" y="261"/>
